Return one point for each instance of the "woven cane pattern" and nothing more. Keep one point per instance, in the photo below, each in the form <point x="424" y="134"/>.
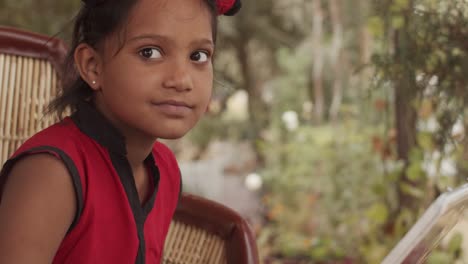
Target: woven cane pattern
<point x="26" y="87"/>
<point x="191" y="245"/>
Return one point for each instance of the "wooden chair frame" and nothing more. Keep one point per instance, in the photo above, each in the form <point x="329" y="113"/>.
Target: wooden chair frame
<point x="213" y="218"/>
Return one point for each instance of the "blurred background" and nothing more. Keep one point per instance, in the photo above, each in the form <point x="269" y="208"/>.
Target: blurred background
<point x="333" y="125"/>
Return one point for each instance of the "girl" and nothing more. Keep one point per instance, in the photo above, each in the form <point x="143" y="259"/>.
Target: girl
<point x="97" y="187"/>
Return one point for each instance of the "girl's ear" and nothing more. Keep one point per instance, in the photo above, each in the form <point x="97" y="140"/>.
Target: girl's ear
<point x="88" y="64"/>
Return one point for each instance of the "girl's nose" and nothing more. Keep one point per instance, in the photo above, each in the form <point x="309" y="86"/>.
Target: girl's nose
<point x="178" y="77"/>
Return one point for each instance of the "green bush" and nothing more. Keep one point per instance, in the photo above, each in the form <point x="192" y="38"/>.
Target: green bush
<point x="320" y="194"/>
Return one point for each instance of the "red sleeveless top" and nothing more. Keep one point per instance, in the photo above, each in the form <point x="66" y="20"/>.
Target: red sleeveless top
<point x="111" y="226"/>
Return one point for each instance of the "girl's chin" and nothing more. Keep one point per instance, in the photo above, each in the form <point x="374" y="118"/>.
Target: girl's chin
<point x="172" y="134"/>
<point x="169" y="130"/>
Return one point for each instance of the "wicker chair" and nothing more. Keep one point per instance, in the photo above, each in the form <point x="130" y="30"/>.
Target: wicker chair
<point x="205" y="232"/>
<point x="28" y="81"/>
<point x="201" y="232"/>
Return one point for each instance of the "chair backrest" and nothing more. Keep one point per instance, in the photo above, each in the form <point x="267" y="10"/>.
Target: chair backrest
<point x="201" y="232"/>
<point x="206" y="232"/>
<point x="28" y="81"/>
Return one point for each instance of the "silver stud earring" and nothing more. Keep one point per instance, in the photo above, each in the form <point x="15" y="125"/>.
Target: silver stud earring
<point x="93" y="82"/>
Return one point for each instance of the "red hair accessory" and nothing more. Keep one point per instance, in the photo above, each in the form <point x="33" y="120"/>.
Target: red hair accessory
<point x="228" y="7"/>
<point x="225" y="7"/>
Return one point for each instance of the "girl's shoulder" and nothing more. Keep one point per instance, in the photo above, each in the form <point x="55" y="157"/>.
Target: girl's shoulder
<point x="60" y="130"/>
<point x="63" y="135"/>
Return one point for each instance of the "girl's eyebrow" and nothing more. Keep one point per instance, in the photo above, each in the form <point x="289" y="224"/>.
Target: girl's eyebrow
<point x="201" y="41"/>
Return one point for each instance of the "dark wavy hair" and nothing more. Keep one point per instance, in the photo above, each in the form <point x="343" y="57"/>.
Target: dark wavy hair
<point x="97" y="20"/>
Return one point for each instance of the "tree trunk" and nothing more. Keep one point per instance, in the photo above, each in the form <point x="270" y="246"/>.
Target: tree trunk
<point x="318" y="96"/>
<point x="258" y="118"/>
<point x="336" y="58"/>
<point x="405" y="114"/>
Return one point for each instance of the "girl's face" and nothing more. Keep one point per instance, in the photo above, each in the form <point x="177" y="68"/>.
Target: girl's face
<point x="158" y="83"/>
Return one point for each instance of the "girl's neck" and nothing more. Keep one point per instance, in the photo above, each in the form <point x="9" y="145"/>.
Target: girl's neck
<point x="138" y="150"/>
<point x="138" y="144"/>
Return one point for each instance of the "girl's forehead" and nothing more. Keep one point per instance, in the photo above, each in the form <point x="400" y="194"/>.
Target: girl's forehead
<point x="181" y="9"/>
<point x="169" y="15"/>
<point x="178" y="22"/>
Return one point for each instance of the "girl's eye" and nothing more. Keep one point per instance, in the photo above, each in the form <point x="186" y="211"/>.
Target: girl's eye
<point x="151" y="53"/>
<point x="199" y="56"/>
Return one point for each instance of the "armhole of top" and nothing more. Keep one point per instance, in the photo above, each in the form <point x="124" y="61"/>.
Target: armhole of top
<point x="70" y="165"/>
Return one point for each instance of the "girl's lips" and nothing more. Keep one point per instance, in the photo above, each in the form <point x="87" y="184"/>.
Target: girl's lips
<point x="174" y="108"/>
<point x="175" y="103"/>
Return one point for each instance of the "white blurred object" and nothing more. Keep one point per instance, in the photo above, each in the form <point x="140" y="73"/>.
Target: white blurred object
<point x="458" y="130"/>
<point x="253" y="181"/>
<point x="448" y="167"/>
<point x="237" y="106"/>
<point x="429" y="125"/>
<point x="434" y="81"/>
<point x="290" y="120"/>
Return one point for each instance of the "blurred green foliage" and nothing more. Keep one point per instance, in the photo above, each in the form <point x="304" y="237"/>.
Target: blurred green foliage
<point x="317" y="208"/>
<point x="336" y="190"/>
<point x="49" y="17"/>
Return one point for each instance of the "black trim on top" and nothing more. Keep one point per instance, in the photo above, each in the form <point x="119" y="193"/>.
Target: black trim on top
<point x="68" y="163"/>
<point x="154" y="174"/>
<point x="123" y="168"/>
<point x="91" y="122"/>
<point x="95" y="125"/>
